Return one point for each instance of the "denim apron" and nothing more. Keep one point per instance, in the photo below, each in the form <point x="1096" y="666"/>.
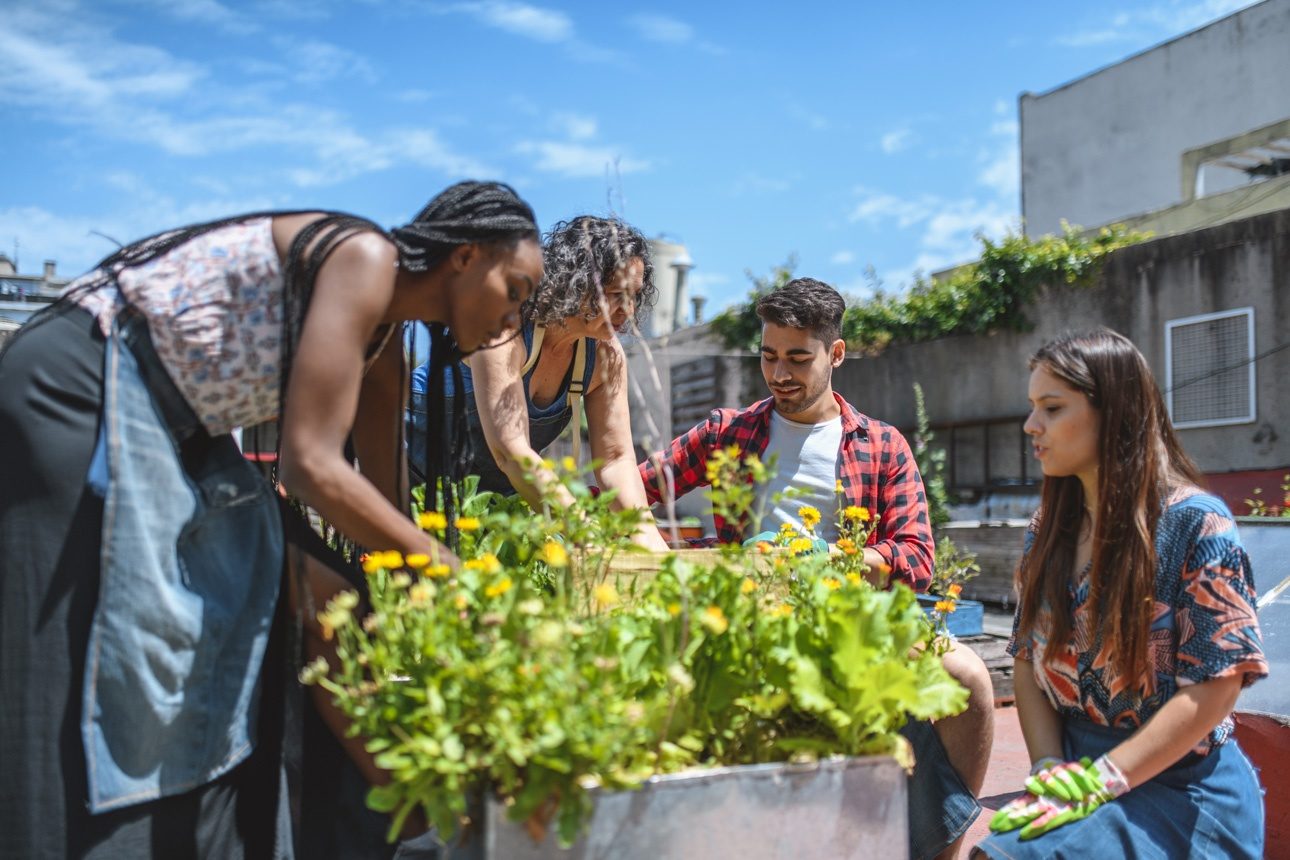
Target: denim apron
<point x="1201" y="807"/>
<point x="191" y="555"/>
<point x="546" y="423"/>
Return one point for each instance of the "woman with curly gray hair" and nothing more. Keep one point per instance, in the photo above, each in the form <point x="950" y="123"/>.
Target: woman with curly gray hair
<point x="597" y="279"/>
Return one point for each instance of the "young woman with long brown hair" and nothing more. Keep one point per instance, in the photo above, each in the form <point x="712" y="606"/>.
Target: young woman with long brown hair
<point x="1135" y="631"/>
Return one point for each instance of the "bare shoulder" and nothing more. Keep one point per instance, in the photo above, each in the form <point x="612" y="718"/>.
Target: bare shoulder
<point x="358" y="247"/>
<point x="506" y="357"/>
<point x="611" y="360"/>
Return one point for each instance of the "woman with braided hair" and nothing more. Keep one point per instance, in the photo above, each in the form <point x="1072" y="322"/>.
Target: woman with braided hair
<point x="597" y="280"/>
<point x="142" y="555"/>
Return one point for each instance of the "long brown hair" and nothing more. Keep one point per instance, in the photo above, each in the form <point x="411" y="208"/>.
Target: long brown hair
<point x="1139" y="462"/>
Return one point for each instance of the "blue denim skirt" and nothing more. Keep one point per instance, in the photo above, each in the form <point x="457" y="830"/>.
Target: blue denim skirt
<point x="1201" y="807"/>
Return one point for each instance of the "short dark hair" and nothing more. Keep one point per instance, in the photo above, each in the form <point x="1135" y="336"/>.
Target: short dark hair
<point x="805" y="303"/>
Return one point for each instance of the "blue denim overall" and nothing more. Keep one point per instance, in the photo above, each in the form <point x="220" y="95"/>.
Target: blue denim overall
<point x="546" y="423"/>
<point x="191" y="563"/>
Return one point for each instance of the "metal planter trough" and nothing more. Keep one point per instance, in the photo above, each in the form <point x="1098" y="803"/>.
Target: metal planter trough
<point x="831" y="810"/>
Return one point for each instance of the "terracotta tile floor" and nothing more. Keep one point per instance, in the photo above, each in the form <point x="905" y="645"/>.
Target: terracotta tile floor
<point x="1009" y="765"/>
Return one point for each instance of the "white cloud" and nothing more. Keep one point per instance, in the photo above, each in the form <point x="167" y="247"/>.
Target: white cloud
<point x="578" y="161"/>
<point x="661" y="28"/>
<point x="77" y="242"/>
<point x="80" y="74"/>
<point x="1002" y="171"/>
<point x="813" y="120"/>
<point x="842" y="258"/>
<point x="66" y="66"/>
<point x="522" y="19"/>
<point x="415" y="96"/>
<point x="575" y="126"/>
<point x="876" y="206"/>
<point x="206" y="12"/>
<point x="1161" y="21"/>
<point x="894" y="141"/>
<point x="316" y="62"/>
<point x="666" y="30"/>
<point x="948" y="228"/>
<point x="756" y="183"/>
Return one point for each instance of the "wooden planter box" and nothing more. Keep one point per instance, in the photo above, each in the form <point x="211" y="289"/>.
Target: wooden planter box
<point x="831" y="810"/>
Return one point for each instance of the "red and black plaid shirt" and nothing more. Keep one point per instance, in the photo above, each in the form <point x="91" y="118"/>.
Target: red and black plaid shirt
<point x="875" y="466"/>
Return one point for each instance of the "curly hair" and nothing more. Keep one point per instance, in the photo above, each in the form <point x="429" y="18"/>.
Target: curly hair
<point x="581" y="256"/>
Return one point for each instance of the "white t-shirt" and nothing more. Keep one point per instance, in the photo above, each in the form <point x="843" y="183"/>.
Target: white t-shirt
<point x="807" y="463"/>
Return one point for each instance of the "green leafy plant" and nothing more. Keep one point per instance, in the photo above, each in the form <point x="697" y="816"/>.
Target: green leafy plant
<point x="536" y="679"/>
<point x="990" y="294"/>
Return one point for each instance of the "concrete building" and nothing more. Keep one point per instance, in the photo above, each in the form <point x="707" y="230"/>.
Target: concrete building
<point x="672" y="265"/>
<point x="1190" y="133"/>
<point x="23" y="295"/>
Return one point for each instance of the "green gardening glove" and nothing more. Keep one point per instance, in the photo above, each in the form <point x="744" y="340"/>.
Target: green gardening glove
<point x="1072" y="781"/>
<point x="1059" y="812"/>
<point x="1061" y="794"/>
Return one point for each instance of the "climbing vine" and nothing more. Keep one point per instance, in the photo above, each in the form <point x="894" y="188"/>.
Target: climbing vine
<point x="990" y="294"/>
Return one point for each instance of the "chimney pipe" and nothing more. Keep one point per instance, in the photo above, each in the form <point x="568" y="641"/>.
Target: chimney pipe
<point x="698" y="302"/>
<point x="49" y="270"/>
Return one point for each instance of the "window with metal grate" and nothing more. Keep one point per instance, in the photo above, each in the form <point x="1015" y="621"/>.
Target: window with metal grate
<point x="1209" y="361"/>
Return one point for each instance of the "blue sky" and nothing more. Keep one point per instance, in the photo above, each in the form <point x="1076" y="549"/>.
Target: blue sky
<point x="852" y="135"/>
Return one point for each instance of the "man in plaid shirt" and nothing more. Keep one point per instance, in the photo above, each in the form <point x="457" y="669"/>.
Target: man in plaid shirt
<point x="824" y="447"/>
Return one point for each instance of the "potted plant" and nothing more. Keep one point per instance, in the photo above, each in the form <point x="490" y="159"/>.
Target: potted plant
<point x="537" y="681"/>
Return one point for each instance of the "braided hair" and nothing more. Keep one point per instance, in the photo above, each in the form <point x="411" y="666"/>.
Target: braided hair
<point x="485" y="213"/>
<point x="581" y="256"/>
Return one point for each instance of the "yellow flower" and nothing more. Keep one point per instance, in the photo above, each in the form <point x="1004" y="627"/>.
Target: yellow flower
<point x="837" y="487"/>
<point x="809" y="516"/>
<point x="748" y="586"/>
<point x="831" y="584"/>
<point x="461" y="602"/>
<point x="604" y="595"/>
<point x="733" y="451"/>
<point x="714" y="619"/>
<point x="764" y="546"/>
<point x="554" y="554"/>
<point x="372" y="563"/>
<point x="787" y="530"/>
<point x="856" y="514"/>
<point x="845" y="544"/>
<point x="497" y="589"/>
<point x="782" y="611"/>
<point x="487" y="563"/>
<point x="467" y="524"/>
<point x="391" y="559"/>
<point x="568" y="464"/>
<point x="674" y="609"/>
<point x="946" y="606"/>
<point x="954" y="590"/>
<point x="437" y="571"/>
<point x="800" y="545"/>
<point x="433" y="521"/>
<point x="548" y="464"/>
<point x="417" y="560"/>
